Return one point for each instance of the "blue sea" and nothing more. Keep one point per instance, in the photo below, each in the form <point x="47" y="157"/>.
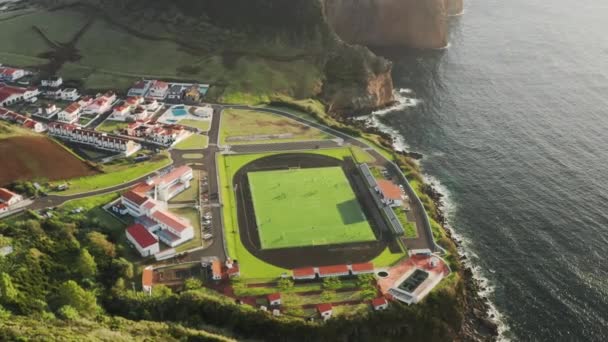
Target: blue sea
<point x="512" y="119"/>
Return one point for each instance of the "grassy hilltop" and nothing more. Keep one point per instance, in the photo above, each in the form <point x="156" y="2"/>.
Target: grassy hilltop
<point x="249" y="50"/>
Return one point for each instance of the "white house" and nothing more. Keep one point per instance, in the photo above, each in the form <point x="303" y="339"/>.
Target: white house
<point x="379" y="303"/>
<point x="9" y="198"/>
<point x="102" y="141"/>
<point x="134" y="202"/>
<point x="391" y="193"/>
<point x="70" y="114"/>
<point x="139" y="89"/>
<point x="69" y="94"/>
<point x="145" y="242"/>
<point x="158" y="90"/>
<point x="101" y="104"/>
<point x="325" y="310"/>
<point x="10" y="95"/>
<point x="52" y="82"/>
<point x="11" y="74"/>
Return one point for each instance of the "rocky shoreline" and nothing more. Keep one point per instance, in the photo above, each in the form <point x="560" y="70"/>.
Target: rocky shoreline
<point x="478" y="322"/>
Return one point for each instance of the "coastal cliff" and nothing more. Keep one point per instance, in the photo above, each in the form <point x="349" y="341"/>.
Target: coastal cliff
<point x="410" y="23"/>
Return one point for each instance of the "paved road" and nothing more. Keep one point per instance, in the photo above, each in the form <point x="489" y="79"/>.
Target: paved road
<point x="217" y="248"/>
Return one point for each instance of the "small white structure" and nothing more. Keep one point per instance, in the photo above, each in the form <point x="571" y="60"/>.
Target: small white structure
<point x="274" y="299"/>
<point x="101" y="104"/>
<point x="325" y="310"/>
<point x="52" y="82"/>
<point x="139" y="89"/>
<point x="11" y="74"/>
<point x="145" y="242"/>
<point x="379" y="303"/>
<point x="9" y="198"/>
<point x="69" y="94"/>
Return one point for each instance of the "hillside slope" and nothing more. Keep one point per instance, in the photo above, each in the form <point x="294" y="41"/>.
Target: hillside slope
<point x="249" y="49"/>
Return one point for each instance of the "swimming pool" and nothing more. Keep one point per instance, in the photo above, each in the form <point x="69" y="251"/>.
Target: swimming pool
<point x="179" y="111"/>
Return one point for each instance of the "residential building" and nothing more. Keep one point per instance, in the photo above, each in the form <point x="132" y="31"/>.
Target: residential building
<point x="274" y="299"/>
<point x="158" y="90"/>
<point x="304" y="273"/>
<point x="8" y="74"/>
<point x="363" y="268"/>
<point x="147" y="279"/>
<point x="48" y="110"/>
<point x="175" y="93"/>
<point x="139" y="89"/>
<point x="192" y="94"/>
<point x="325" y="310"/>
<point x="173" y="230"/>
<point x="101" y="104"/>
<point x="52" y="82"/>
<point x="3" y="208"/>
<point x="145" y="242"/>
<point x="69" y="94"/>
<point x="10" y="95"/>
<point x="102" y="141"/>
<point x="9" y="198"/>
<point x="333" y="271"/>
<point x="21" y="120"/>
<point x="70" y="114"/>
<point x="216" y="270"/>
<point x="134" y="202"/>
<point x="379" y="303"/>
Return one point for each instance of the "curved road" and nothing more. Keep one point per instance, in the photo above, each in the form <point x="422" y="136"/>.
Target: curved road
<point x="424" y="241"/>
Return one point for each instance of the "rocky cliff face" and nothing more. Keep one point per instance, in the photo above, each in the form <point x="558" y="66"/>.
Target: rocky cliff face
<point x="411" y="23"/>
<point x="357" y="81"/>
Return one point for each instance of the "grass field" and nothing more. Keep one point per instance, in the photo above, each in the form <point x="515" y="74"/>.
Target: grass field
<point x="240" y="127"/>
<point x="110" y="126"/>
<point x="193" y="142"/>
<point x="203" y="125"/>
<point x="307" y="207"/>
<point x="115" y="175"/>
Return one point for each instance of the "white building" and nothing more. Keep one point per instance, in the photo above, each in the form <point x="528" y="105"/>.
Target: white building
<point x="379" y="303"/>
<point x="11" y="74"/>
<point x="9" y="198"/>
<point x="325" y="310"/>
<point x="139" y="89"/>
<point x="158" y="90"/>
<point x="70" y="114"/>
<point x="69" y="94"/>
<point x="52" y="82"/>
<point x="145" y="242"/>
<point x="102" y="141"/>
<point x="101" y="104"/>
<point x="10" y="95"/>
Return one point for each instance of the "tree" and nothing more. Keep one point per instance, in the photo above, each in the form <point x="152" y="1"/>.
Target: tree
<point x="122" y="268"/>
<point x="332" y="283"/>
<point x="328" y="296"/>
<point x="193" y="284"/>
<point x="8" y="292"/>
<point x="85" y="264"/>
<point x="100" y="245"/>
<point x="68" y="313"/>
<point x="4" y="314"/>
<point x="70" y="293"/>
<point x="161" y="291"/>
<point x="285" y="284"/>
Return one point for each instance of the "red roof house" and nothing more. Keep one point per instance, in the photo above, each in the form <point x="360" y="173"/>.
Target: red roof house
<point x="147" y="278"/>
<point x="333" y="271"/>
<point x="304" y="273"/>
<point x="379" y="303"/>
<point x="274" y="299"/>
<point x="325" y="310"/>
<point x="362" y="268"/>
<point x="8" y="197"/>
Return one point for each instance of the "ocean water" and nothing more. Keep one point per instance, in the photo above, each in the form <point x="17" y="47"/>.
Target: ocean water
<point x="513" y="121"/>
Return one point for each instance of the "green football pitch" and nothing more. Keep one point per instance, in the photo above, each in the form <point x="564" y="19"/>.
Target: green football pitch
<point x="306" y="207"/>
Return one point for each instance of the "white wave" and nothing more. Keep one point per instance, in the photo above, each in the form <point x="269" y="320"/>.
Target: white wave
<point x="401" y="102"/>
<point x="447" y="46"/>
<point x="486" y="288"/>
